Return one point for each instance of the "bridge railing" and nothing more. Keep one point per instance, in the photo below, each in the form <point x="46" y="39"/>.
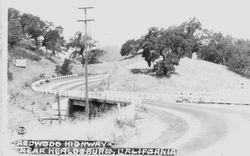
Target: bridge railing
<point x="36" y="84"/>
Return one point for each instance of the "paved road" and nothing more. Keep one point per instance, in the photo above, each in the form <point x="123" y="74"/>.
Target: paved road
<point x="74" y="83"/>
<point x="213" y="130"/>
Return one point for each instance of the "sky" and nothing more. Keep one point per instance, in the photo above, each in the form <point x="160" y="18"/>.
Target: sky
<point x="116" y="21"/>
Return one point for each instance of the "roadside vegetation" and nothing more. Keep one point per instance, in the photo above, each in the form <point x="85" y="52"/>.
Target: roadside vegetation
<point x="117" y="126"/>
<point x="47" y="54"/>
<point x="163" y="48"/>
<point x="65" y="68"/>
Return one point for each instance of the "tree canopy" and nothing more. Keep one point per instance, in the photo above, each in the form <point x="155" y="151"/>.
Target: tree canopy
<point x="33" y="32"/>
<point x="78" y="43"/>
<point x="53" y="39"/>
<point x="33" y="27"/>
<point x="14" y="32"/>
<point x="164" y="47"/>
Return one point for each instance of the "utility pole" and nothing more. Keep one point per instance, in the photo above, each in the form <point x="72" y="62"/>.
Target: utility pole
<point x="86" y="59"/>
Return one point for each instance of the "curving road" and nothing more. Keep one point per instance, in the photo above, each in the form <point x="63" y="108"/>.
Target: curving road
<point x="77" y="83"/>
<point x="212" y="130"/>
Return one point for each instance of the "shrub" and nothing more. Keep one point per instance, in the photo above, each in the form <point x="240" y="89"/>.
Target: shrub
<point x="42" y="75"/>
<point x="27" y="45"/>
<point x="237" y="63"/>
<point x="58" y="70"/>
<point x="65" y="69"/>
<point x="166" y="66"/>
<point x="125" y="122"/>
<point x="10" y="76"/>
<point x="27" y="84"/>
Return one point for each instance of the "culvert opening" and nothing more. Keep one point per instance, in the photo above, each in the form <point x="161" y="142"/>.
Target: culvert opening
<point x="97" y="107"/>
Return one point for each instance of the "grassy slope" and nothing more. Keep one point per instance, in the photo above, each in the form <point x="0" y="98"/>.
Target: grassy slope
<point x="21" y="94"/>
<point x="191" y="75"/>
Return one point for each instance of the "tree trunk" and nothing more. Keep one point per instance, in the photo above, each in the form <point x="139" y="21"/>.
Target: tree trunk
<point x="83" y="60"/>
<point x="223" y="60"/>
<point x="37" y="44"/>
<point x="53" y="52"/>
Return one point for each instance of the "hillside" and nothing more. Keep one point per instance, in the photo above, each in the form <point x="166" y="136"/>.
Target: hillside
<point x="112" y="54"/>
<point x="28" y="105"/>
<point x="190" y="75"/>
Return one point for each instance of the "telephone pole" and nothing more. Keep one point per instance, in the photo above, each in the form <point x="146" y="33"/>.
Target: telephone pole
<point x="86" y="59"/>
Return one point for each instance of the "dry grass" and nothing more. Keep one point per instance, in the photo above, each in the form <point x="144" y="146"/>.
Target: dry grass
<point x="104" y="128"/>
<point x="191" y="75"/>
<point x="25" y="105"/>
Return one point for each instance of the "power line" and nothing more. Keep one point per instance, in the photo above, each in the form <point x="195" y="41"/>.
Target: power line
<point x="87" y="112"/>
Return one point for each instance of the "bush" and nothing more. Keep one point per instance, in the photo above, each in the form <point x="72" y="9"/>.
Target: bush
<point x="163" y="68"/>
<point x="65" y="69"/>
<point x="47" y="81"/>
<point x="125" y="122"/>
<point x="42" y="75"/>
<point x="27" y="84"/>
<point x="10" y="76"/>
<point x="237" y="63"/>
<point x="27" y="45"/>
<point x="166" y="67"/>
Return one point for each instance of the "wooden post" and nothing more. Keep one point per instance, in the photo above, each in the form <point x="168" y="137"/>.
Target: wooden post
<point x="59" y="108"/>
<point x="119" y="107"/>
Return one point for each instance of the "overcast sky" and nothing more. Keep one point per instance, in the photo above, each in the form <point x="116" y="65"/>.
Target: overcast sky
<point x="116" y="21"/>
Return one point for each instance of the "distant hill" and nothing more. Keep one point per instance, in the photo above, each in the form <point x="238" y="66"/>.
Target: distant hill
<point x="113" y="54"/>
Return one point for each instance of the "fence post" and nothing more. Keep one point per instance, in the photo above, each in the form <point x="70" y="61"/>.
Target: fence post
<point x="59" y="108"/>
